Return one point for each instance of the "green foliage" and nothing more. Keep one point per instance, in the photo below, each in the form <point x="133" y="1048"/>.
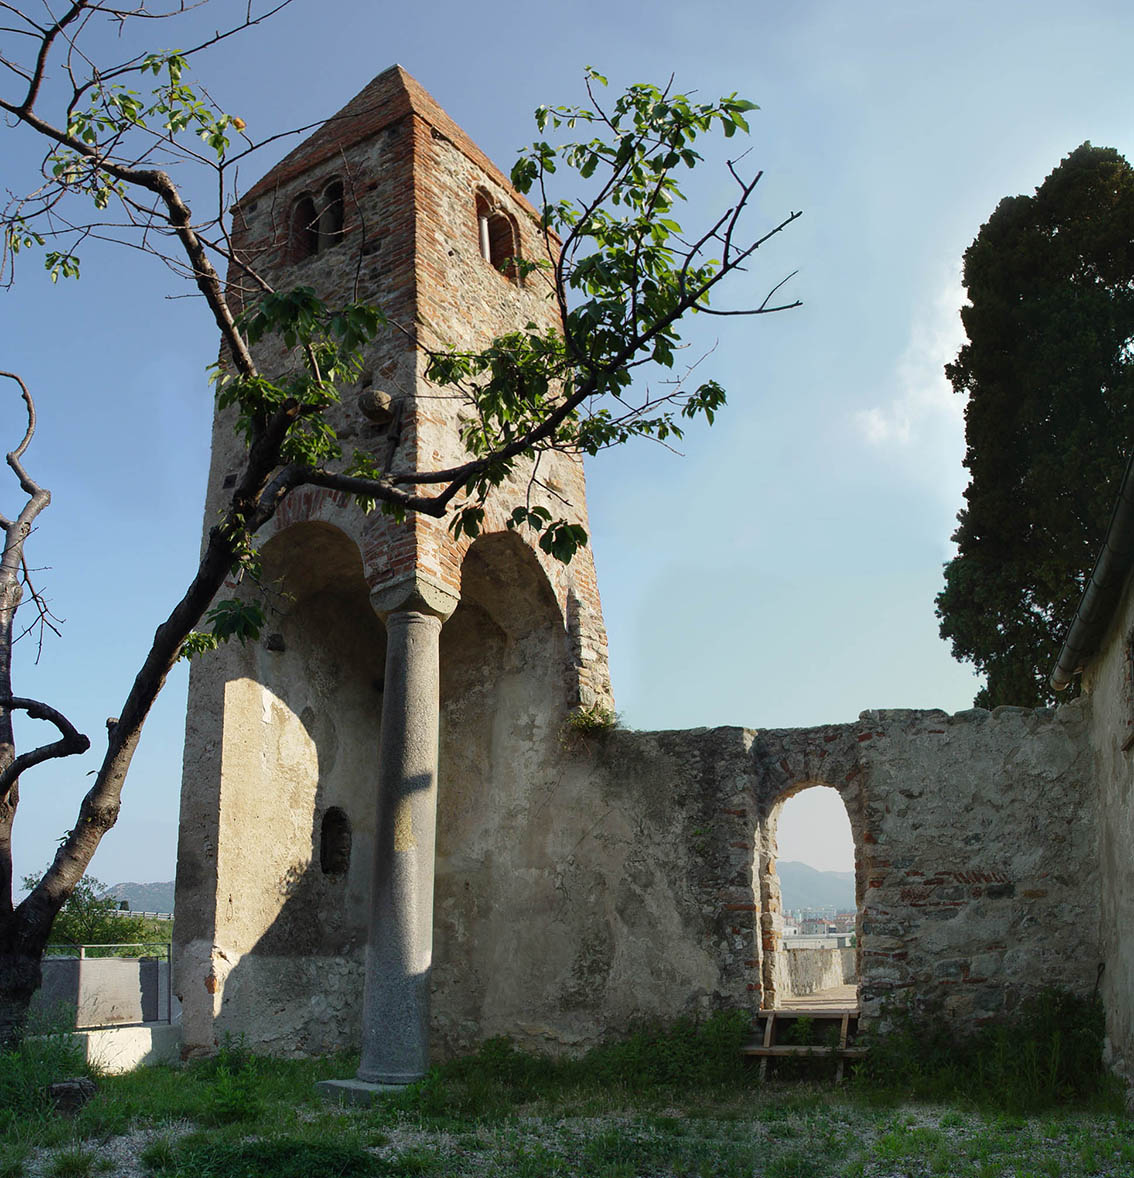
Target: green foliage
<point x="233" y="1097"/>
<point x="631" y="276"/>
<point x="626" y="275"/>
<point x="234" y="1093"/>
<point x="74" y="1162"/>
<point x="325" y="345"/>
<point x="108" y="114"/>
<point x="232" y="618"/>
<point x="681" y="1055"/>
<point x="46" y="1051"/>
<point x="1050" y="380"/>
<point x="13" y="1162"/>
<point x="89" y="917"/>
<point x="159" y="1157"/>
<point x="801" y="1031"/>
<point x="595" y="718"/>
<point x="1048" y="1054"/>
<point x="503" y="1112"/>
<point x="209" y="1156"/>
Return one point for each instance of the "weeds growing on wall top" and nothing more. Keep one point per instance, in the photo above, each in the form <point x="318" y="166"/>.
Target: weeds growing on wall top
<point x="595" y="718"/>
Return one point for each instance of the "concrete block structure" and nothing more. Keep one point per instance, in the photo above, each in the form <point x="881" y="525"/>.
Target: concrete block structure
<point x="388" y="835"/>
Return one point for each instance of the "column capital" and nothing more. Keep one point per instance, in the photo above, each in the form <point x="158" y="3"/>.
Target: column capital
<point x="414" y="592"/>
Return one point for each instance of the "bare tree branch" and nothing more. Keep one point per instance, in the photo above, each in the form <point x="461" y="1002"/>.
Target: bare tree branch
<point x="70" y="743"/>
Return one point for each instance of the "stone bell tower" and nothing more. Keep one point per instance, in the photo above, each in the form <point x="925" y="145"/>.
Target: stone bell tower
<point x="339" y="880"/>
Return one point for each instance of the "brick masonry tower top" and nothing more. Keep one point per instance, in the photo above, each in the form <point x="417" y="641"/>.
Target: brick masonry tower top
<point x="390" y="202"/>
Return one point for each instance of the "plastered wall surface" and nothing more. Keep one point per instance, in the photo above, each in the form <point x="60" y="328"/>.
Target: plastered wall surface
<point x="1110" y="701"/>
<point x="634" y="881"/>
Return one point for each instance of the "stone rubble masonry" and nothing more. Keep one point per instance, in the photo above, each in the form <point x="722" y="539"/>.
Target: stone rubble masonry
<point x="643" y="883"/>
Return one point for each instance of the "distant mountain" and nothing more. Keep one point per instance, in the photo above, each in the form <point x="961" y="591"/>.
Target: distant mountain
<point x="805" y="887"/>
<point x="144" y="897"/>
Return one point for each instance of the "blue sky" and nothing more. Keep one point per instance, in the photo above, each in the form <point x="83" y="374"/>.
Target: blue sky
<point x="781" y="572"/>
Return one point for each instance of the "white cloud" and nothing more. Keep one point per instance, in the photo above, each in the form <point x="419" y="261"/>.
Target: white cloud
<point x="925" y="405"/>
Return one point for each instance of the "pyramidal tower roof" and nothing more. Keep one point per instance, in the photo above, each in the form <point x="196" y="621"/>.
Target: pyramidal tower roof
<point x="391" y="96"/>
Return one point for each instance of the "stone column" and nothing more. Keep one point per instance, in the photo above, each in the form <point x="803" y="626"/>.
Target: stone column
<point x="395" y="1010"/>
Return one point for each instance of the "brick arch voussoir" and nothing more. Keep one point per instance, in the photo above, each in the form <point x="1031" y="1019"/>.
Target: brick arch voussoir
<point x="558" y="576"/>
<point x="379" y="537"/>
<point x="790" y="760"/>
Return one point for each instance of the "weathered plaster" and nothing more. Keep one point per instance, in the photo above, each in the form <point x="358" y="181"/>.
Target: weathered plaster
<point x="1109" y="692"/>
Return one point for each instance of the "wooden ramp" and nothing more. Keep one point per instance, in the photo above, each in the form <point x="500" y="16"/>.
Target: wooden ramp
<point x="817" y="1026"/>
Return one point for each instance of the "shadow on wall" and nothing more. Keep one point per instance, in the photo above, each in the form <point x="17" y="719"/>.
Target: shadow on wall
<point x="298" y="928"/>
<point x="297" y="989"/>
<point x="505" y="675"/>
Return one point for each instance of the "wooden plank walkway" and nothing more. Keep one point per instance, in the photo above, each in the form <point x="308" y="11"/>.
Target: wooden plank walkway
<point x="826" y="1011"/>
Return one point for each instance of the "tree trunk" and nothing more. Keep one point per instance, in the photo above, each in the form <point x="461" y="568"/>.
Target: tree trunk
<point x="20" y="976"/>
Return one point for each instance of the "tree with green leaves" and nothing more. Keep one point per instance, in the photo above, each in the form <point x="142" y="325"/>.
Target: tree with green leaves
<point x="90" y="917"/>
<point x="1050" y="418"/>
<point x="624" y="278"/>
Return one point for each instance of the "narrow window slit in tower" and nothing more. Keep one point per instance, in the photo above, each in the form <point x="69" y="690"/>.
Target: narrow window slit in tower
<point x="334" y="842"/>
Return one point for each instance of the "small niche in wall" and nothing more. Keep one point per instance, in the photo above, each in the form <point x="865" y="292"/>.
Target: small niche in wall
<point x="334" y="842"/>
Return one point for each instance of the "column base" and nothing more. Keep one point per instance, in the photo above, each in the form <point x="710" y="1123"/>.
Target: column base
<point x="355" y="1091"/>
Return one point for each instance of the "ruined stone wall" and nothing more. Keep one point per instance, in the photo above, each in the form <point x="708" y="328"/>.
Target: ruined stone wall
<point x="1109" y="693"/>
<point x="807" y="971"/>
<point x="974" y="835"/>
<point x="633" y="882"/>
<point x="583" y="881"/>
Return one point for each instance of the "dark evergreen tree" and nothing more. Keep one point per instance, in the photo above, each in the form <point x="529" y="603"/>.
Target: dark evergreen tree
<point x="1049" y="374"/>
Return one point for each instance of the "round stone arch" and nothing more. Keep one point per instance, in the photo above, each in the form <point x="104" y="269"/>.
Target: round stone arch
<point x="505" y="678"/>
<point x="506" y="688"/>
<point x="773" y="966"/>
<point x="320" y="664"/>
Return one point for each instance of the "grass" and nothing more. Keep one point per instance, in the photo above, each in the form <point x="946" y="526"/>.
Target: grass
<point x="1049" y="1054"/>
<point x="663" y="1102"/>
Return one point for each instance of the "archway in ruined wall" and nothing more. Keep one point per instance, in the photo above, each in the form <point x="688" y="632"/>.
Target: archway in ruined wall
<point x="808" y="970"/>
<point x="304" y="808"/>
<point x="504" y="695"/>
